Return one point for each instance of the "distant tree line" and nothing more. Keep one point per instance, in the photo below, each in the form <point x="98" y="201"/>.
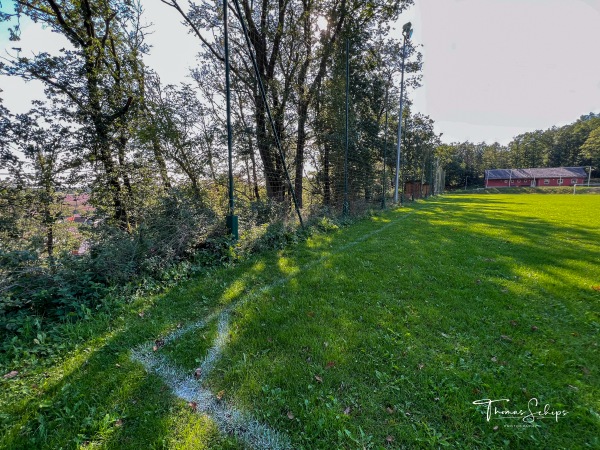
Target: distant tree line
<point x="576" y="144"/>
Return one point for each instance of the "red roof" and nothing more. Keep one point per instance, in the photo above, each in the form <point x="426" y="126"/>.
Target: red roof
<point x="79" y="203"/>
<point x="549" y="172"/>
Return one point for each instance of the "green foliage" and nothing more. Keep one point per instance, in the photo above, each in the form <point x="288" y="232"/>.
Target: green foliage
<point x="591" y="147"/>
<point x="61" y="291"/>
<point x="169" y="233"/>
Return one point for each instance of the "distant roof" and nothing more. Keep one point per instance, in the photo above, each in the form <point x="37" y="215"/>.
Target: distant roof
<point x="550" y="172"/>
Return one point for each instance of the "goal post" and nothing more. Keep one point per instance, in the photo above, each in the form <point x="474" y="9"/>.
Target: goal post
<point x="586" y="188"/>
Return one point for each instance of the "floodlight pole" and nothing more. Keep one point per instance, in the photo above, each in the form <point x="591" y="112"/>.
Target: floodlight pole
<point x="232" y="219"/>
<point x="406" y="33"/>
<point x="383" y="181"/>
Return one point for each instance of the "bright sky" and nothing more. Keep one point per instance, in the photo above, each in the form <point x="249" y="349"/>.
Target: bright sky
<point x="492" y="68"/>
<point x="497" y="68"/>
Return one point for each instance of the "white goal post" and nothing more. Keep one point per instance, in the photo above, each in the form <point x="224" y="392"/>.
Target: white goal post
<point x="595" y="187"/>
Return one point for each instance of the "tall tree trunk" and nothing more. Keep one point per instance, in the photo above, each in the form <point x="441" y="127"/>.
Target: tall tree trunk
<point x="269" y="158"/>
<point x="160" y="162"/>
<point x="254" y="176"/>
<point x="326" y="177"/>
<point x="300" y="144"/>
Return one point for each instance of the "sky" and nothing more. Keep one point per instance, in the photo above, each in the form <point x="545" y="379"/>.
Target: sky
<point x="492" y="68"/>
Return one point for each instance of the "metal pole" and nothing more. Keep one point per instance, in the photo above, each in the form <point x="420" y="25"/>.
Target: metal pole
<point x="346" y="206"/>
<point x="383" y="181"/>
<point x="400" y="123"/>
<point x="232" y="220"/>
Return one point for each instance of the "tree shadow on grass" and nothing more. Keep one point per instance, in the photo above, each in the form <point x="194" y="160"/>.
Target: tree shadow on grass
<point x="387" y="322"/>
<point x="422" y="321"/>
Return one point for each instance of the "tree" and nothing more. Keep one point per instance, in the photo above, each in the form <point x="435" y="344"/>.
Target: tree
<point x="293" y="58"/>
<point x="48" y="149"/>
<point x="97" y="81"/>
<point x="591" y="147"/>
<point x="176" y="125"/>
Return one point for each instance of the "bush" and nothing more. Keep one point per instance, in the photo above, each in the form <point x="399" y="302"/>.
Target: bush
<point x="28" y="284"/>
<point x="172" y="232"/>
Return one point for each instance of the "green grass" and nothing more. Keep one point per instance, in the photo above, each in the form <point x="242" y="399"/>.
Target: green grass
<point x="381" y="336"/>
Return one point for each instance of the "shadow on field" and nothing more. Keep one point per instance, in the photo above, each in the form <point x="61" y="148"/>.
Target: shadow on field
<point x="454" y="304"/>
<point x="370" y="335"/>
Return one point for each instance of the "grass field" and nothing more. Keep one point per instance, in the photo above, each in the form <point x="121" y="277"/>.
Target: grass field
<point x="379" y="335"/>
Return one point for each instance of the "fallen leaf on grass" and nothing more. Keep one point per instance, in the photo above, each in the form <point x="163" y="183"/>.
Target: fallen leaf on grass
<point x="421" y="365"/>
<point x="310" y="314"/>
<point x="11" y="374"/>
<point x="197" y="373"/>
<point x="220" y="395"/>
<point x="514" y="323"/>
<point x="330" y="364"/>
<point x="119" y="423"/>
<point x="290" y="415"/>
<point x="193" y="405"/>
<point x="496" y="428"/>
<point x="534" y="328"/>
<point x="141" y="314"/>
<point x="159" y="343"/>
<point x="389" y="439"/>
<point x="494" y="359"/>
<point x="390" y="410"/>
<point x="596" y="288"/>
<point x="318" y="378"/>
<point x="506" y="338"/>
<point x="347" y="411"/>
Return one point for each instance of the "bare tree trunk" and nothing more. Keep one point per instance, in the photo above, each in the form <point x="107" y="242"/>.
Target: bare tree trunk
<point x="160" y="162"/>
<point x="326" y="177"/>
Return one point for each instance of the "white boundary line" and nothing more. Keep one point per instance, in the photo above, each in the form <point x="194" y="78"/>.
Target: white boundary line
<point x="228" y="419"/>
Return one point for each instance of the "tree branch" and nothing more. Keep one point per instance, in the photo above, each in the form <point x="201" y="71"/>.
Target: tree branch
<point x="61" y="20"/>
<point x="174" y="4"/>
